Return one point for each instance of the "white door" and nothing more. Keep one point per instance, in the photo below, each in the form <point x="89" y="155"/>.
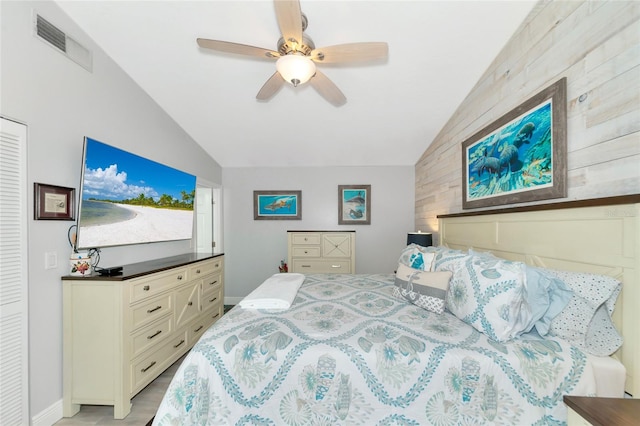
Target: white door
<point x="14" y="361"/>
<point x="208" y="218"/>
<point x="204" y="219"/>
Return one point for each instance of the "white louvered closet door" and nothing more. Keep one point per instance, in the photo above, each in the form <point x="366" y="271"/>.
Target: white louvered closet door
<point x="14" y="380"/>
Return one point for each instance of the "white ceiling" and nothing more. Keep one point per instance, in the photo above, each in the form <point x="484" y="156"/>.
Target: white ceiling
<point x="437" y="52"/>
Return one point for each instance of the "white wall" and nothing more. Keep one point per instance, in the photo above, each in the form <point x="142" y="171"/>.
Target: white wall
<point x="61" y="103"/>
<point x="256" y="247"/>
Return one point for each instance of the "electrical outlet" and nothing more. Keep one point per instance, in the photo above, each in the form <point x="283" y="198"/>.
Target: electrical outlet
<point x="50" y="260"/>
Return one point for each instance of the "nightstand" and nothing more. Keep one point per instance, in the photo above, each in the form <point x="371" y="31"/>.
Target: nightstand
<point x="585" y="411"/>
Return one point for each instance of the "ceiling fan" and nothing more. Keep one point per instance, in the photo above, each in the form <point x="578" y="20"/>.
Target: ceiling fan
<point x="296" y="55"/>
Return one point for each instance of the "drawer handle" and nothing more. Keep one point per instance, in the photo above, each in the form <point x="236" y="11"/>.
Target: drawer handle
<point x="179" y="344"/>
<point x="190" y="303"/>
<point x="198" y="329"/>
<point x="154" y="309"/>
<point x="154" y="334"/>
<point x="336" y="266"/>
<point x="146" y="288"/>
<point x="306" y="239"/>
<point x="306" y="252"/>
<point x="217" y="265"/>
<point x="144" y="370"/>
<point x="305" y="266"/>
<point x="216" y="315"/>
<point x="213" y="300"/>
<point x="213" y="282"/>
<point x="197" y="271"/>
<point x="179" y="277"/>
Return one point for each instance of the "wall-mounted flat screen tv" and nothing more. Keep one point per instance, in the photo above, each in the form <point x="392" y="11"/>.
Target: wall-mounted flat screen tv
<point x="127" y="199"/>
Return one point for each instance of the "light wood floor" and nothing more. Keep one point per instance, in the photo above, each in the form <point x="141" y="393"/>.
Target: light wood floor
<point x="145" y="405"/>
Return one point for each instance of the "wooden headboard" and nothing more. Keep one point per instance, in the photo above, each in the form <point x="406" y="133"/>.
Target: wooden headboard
<point x="600" y="239"/>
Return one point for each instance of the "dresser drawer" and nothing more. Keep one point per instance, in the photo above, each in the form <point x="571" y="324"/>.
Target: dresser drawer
<point x="305" y="251"/>
<point x="211" y="283"/>
<point x="187" y="303"/>
<point x="203" y="268"/>
<point x="147" y="368"/>
<point x="212" y="297"/>
<point x="144" y="288"/>
<point x="152" y="335"/>
<point x="197" y="328"/>
<point x="150" y="310"/>
<point x="305" y="239"/>
<point x="322" y="266"/>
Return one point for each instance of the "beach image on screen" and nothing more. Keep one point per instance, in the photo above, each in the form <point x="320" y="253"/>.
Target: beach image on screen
<point x="128" y="199"/>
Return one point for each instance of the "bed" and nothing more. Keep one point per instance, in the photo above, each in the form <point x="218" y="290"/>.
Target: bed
<point x="351" y="350"/>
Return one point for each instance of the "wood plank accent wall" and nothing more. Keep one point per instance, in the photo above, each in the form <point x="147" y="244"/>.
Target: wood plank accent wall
<point x="596" y="45"/>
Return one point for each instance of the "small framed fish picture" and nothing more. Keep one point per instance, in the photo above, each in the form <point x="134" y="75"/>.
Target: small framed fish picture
<point x="520" y="157"/>
<point x="354" y="204"/>
<point x="277" y="205"/>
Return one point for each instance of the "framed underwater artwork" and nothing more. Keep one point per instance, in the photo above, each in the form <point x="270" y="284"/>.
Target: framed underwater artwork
<point x="277" y="205"/>
<point x="520" y="157"/>
<point x="354" y="204"/>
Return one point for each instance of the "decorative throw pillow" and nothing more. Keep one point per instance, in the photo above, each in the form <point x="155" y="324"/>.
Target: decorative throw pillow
<point x="586" y="320"/>
<point x="427" y="290"/>
<point x="417" y="257"/>
<point x="545" y="294"/>
<point x="489" y="294"/>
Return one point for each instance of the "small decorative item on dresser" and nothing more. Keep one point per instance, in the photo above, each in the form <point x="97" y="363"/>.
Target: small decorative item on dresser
<point x="283" y="267"/>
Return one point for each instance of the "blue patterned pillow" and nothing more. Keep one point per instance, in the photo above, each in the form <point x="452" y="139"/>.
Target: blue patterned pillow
<point x="586" y="320"/>
<point x="417" y="257"/>
<point x="489" y="294"/>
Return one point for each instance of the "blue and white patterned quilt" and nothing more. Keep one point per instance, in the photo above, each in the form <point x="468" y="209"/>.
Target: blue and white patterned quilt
<point x="348" y="352"/>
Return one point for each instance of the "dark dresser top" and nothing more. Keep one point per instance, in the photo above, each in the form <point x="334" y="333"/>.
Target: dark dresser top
<point x="606" y="411"/>
<point x="134" y="270"/>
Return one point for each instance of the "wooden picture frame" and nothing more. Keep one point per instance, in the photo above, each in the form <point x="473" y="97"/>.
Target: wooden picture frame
<point x="354" y="204"/>
<point x="520" y="157"/>
<point x="277" y="205"/>
<point x="54" y="202"/>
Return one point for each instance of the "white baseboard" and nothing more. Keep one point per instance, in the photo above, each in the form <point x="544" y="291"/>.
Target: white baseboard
<point x="232" y="300"/>
<point x="48" y="416"/>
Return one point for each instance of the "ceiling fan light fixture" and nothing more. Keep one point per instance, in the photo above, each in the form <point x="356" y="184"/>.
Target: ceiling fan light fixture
<point x="296" y="69"/>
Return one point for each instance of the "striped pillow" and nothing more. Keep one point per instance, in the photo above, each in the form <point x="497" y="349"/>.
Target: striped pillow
<point x="427" y="290"/>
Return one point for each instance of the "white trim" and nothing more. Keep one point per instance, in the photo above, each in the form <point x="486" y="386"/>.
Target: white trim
<point x="49" y="415"/>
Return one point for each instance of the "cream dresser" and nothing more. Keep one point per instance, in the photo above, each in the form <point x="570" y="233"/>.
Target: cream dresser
<point x="322" y="252"/>
<point x="121" y="332"/>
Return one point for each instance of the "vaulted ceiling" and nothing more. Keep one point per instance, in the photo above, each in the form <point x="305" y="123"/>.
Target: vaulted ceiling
<point x="437" y="52"/>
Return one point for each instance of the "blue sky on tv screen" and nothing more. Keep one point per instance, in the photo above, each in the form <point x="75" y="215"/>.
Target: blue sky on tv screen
<point x="113" y="174"/>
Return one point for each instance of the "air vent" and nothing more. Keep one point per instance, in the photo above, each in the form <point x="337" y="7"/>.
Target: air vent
<point x="66" y="45"/>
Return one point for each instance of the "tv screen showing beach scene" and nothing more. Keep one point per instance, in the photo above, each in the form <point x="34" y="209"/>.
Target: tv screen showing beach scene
<point x="127" y="199"/>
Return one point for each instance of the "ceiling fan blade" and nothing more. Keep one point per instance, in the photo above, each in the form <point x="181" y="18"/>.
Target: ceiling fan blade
<point x="289" y="19"/>
<point x="241" y="49"/>
<point x="327" y="89"/>
<point x="351" y="52"/>
<point x="271" y="87"/>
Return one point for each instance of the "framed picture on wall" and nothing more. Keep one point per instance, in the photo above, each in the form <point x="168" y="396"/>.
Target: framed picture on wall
<point x="53" y="202"/>
<point x="277" y="205"/>
<point x="354" y="204"/>
<point x="520" y="157"/>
